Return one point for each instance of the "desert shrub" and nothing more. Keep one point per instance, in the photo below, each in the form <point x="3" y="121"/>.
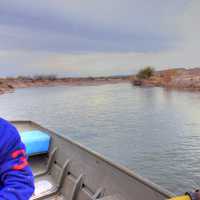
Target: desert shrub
<point x="24" y="78"/>
<point x="45" y="77"/>
<point x="145" y="73"/>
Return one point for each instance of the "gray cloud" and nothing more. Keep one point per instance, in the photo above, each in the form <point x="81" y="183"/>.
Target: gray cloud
<point x="89" y="25"/>
<point x="90" y="37"/>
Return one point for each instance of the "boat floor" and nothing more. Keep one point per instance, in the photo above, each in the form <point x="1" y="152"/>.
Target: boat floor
<point x="38" y="164"/>
<point x="56" y="197"/>
<point x="60" y="197"/>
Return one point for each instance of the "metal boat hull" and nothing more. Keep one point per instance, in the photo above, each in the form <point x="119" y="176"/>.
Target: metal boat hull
<point x="77" y="173"/>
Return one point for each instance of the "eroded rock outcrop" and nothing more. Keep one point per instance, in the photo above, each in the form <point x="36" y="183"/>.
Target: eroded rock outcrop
<point x="186" y="79"/>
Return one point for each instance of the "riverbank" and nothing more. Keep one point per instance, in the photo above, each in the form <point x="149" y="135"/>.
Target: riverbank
<point x="180" y="78"/>
<point x="10" y="84"/>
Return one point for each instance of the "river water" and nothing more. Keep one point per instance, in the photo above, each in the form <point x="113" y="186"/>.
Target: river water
<point x="152" y="131"/>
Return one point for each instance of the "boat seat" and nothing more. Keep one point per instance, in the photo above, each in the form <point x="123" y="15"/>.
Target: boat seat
<point x="36" y="142"/>
<point x="112" y="197"/>
<point x="46" y="185"/>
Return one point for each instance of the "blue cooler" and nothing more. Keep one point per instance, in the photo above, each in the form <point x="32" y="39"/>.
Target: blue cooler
<point x="36" y="142"/>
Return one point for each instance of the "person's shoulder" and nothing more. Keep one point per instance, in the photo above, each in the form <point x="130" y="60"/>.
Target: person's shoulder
<point x="9" y="138"/>
<point x="5" y="123"/>
<point x="6" y="128"/>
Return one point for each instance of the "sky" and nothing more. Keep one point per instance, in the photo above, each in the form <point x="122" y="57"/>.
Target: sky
<point x="92" y="37"/>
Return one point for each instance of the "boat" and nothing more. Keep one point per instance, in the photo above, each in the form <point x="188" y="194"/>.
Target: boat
<point x="66" y="170"/>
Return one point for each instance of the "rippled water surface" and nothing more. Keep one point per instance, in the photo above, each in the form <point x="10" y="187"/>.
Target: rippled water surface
<point x="152" y="131"/>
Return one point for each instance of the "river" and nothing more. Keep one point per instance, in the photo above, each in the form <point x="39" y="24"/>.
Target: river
<point x="152" y="131"/>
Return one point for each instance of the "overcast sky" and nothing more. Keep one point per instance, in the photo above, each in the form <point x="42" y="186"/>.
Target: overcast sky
<point x="93" y="37"/>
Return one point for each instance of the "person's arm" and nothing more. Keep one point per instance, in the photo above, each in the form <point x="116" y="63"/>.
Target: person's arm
<point x="16" y="179"/>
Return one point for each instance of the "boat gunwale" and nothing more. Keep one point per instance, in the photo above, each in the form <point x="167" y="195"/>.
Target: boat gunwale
<point x="124" y="169"/>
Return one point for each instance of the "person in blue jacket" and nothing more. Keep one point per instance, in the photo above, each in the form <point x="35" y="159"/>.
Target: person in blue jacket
<point x="16" y="178"/>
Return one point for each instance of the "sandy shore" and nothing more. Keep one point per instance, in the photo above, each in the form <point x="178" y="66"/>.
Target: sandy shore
<point x="11" y="84"/>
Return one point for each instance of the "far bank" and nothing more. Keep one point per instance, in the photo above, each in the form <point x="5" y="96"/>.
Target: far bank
<point x="177" y="78"/>
<point x="12" y="83"/>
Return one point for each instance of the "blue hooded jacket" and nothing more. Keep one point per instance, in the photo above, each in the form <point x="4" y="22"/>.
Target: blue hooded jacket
<point x="16" y="179"/>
